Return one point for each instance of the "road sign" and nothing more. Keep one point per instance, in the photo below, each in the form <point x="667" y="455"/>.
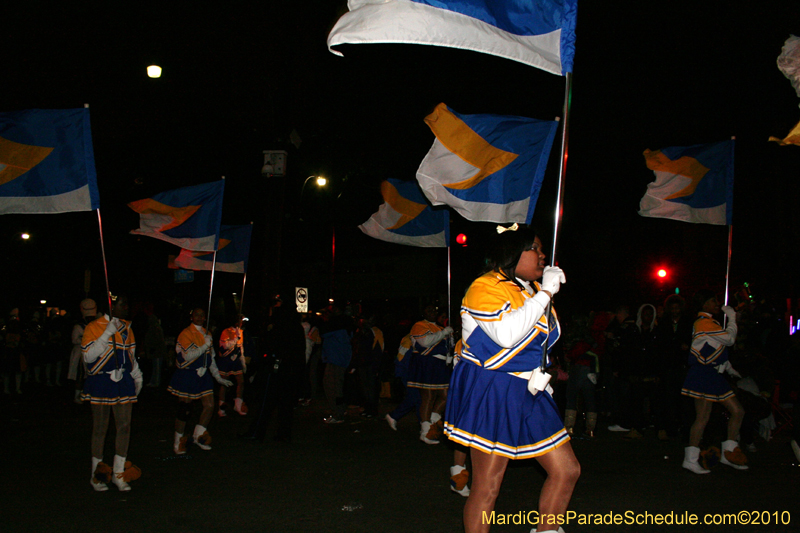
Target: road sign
<point x="301" y="299"/>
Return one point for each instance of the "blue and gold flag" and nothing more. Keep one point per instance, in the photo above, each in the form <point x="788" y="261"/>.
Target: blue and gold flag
<point x="489" y="168"/>
<point x="406" y="218"/>
<point x="693" y="184"/>
<point x="47" y="162"/>
<point x="540" y="34"/>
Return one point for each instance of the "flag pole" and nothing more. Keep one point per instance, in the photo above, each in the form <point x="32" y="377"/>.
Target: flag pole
<point x="730" y="250"/>
<point x="449" y="284"/>
<point x="241" y="298"/>
<point x="562" y="171"/>
<point x="105" y="264"/>
<point x="103" y="252"/>
<point x="244" y="281"/>
<point x="211" y="289"/>
<point x="728" y="268"/>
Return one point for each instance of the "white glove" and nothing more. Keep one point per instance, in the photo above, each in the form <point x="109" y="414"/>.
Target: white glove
<point x="592" y="377"/>
<point x="222" y="381"/>
<point x="111" y="329"/>
<point x="136" y="374"/>
<point x="448" y="330"/>
<point x="552" y="279"/>
<point x="538" y="381"/>
<point x="727" y="368"/>
<point x="208" y="339"/>
<point x="244" y="365"/>
<point x="730" y="312"/>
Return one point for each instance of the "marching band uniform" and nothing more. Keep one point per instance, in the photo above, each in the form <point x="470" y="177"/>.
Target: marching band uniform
<point x="193" y="379"/>
<point x="113" y="378"/>
<point x="489" y="407"/>
<point x="231" y="362"/>
<point x="431" y="344"/>
<point x="230" y="359"/>
<point x="709" y="352"/>
<point x="113" y="374"/>
<point x="196" y="365"/>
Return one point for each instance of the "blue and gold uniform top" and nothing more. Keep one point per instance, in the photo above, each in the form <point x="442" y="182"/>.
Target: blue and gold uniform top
<point x="710" y="341"/>
<point x="123" y="340"/>
<point x="503" y="326"/>
<point x="423" y="329"/>
<point x="192" y="339"/>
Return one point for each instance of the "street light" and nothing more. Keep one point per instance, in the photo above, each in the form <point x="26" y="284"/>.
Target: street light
<point x="25" y="236"/>
<point x="153" y="71"/>
<point x="321" y="182"/>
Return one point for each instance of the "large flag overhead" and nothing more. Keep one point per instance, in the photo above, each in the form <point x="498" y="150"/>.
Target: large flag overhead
<point x="232" y="256"/>
<point x="406" y="218"/>
<point x="47" y="162"/>
<point x="188" y="217"/>
<point x="693" y="184"/>
<point x="540" y="33"/>
<point x="487" y="167"/>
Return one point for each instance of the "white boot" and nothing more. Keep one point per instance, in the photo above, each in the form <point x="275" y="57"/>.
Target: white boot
<point x="179" y="446"/>
<point x="690" y="460"/>
<point x="239" y="406"/>
<point x="119" y="471"/>
<point x="97" y="485"/>
<point x="201" y="437"/>
<point x="733" y="456"/>
<point x="423" y="433"/>
<point x="459" y="477"/>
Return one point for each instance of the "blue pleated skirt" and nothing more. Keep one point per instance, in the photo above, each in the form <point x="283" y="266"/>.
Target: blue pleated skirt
<point x="100" y="389"/>
<point x="428" y="372"/>
<point x="704" y="382"/>
<point x="229" y="368"/>
<point x="494" y="412"/>
<point x="187" y="384"/>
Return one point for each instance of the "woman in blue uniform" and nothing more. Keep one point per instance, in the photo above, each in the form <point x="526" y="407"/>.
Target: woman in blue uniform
<point x="113" y="381"/>
<point x="192" y="381"/>
<point x="498" y="404"/>
<point x="706" y="384"/>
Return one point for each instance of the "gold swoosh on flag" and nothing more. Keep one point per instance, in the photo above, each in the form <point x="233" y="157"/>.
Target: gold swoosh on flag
<point x="179" y="215"/>
<point x="688" y="167"/>
<point x="407" y="209"/>
<point x="19" y="158"/>
<point x="460" y="139"/>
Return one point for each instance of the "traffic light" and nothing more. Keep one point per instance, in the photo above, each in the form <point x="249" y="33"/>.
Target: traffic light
<point x="461" y="239"/>
<point x="661" y="273"/>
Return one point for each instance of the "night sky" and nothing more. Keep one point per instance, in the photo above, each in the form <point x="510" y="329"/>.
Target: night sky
<point x="239" y="77"/>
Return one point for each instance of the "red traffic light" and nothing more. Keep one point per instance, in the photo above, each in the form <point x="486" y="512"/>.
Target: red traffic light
<point x="461" y="239"/>
<point x="661" y="273"/>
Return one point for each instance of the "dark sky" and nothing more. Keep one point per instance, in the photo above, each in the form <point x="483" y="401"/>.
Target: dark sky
<point x="240" y="76"/>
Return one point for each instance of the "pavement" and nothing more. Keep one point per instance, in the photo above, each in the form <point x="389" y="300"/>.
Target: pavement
<point x="358" y="476"/>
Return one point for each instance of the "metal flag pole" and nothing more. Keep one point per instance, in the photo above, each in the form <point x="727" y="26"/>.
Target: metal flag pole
<point x="730" y="249"/>
<point x="105" y="264"/>
<point x="211" y="288"/>
<point x="728" y="268"/>
<point x="244" y="281"/>
<point x="449" y="285"/>
<point x="103" y="252"/>
<point x="562" y="171"/>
